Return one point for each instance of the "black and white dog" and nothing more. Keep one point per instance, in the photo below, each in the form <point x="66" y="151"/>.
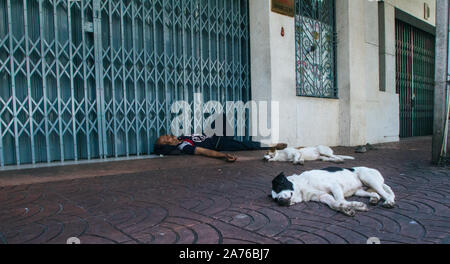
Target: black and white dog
<point x="331" y="186"/>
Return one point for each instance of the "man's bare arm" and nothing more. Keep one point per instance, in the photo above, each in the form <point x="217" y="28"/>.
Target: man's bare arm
<point x="214" y="154"/>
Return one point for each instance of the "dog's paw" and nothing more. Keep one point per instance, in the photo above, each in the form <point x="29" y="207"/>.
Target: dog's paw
<point x="389" y="204"/>
<point x="374" y="201"/>
<point x="349" y="211"/>
<point x="363" y="208"/>
<point x="360" y="206"/>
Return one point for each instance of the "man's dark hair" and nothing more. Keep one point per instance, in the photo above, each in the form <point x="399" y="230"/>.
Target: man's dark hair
<point x="166" y="150"/>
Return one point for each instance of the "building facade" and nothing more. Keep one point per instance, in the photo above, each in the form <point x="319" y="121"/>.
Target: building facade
<point x="367" y="106"/>
<point x="95" y="79"/>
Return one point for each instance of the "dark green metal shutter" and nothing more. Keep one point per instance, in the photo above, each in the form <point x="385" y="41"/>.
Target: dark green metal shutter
<point x="88" y="79"/>
<point x="415" y="67"/>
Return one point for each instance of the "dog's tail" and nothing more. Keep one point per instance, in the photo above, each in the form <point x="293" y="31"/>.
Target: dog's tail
<point x="345" y="157"/>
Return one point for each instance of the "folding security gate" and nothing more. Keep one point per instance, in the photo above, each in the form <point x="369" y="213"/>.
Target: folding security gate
<point x="88" y="79"/>
<point x="415" y="69"/>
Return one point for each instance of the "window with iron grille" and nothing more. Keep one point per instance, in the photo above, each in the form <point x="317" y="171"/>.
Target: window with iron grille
<point x="315" y="48"/>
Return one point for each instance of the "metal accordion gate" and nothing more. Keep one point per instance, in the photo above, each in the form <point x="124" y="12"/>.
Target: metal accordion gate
<point x="90" y="79"/>
<point x="415" y="67"/>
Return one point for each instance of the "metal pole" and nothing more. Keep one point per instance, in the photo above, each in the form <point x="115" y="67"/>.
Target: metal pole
<point x="442" y="30"/>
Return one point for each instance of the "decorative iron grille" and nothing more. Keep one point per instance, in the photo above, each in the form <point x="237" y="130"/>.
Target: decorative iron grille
<point x="88" y="79"/>
<point x="315" y="48"/>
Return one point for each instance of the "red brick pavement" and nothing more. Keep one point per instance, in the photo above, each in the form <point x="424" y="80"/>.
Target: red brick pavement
<point x="197" y="200"/>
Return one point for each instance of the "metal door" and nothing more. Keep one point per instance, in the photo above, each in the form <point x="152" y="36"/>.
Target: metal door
<point x="48" y="100"/>
<point x="162" y="51"/>
<point x="89" y="79"/>
<point x="415" y="66"/>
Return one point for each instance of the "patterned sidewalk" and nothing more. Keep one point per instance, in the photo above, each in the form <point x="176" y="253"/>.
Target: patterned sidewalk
<point x="197" y="200"/>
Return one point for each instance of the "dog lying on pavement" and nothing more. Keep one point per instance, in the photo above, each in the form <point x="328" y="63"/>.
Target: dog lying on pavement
<point x="300" y="155"/>
<point x="331" y="186"/>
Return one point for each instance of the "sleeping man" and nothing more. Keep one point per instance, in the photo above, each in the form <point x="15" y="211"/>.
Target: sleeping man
<point x="205" y="146"/>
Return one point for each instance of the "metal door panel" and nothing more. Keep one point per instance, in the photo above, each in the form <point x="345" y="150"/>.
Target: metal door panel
<point x="48" y="104"/>
<point x="415" y="79"/>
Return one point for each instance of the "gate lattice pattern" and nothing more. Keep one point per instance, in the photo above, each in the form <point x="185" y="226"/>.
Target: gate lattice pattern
<point x="415" y="68"/>
<point x="315" y="48"/>
<point x="88" y="79"/>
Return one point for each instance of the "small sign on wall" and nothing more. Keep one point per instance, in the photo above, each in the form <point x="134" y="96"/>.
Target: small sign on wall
<point x="284" y="7"/>
<point x="426" y="8"/>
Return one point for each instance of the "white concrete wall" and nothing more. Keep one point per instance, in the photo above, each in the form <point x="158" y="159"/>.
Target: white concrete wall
<point x="260" y="53"/>
<point x="303" y="121"/>
<point x="382" y="107"/>
<point x="310" y="120"/>
<point x="351" y="71"/>
<point x="416" y="8"/>
<point x="362" y="114"/>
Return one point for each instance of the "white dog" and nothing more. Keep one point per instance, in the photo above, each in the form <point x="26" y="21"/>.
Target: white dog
<point x="299" y="156"/>
<point x="331" y="186"/>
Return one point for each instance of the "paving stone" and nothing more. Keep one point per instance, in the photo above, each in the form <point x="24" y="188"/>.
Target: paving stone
<point x="191" y="200"/>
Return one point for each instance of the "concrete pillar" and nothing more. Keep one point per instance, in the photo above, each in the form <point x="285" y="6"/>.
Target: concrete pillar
<point x="261" y="60"/>
<point x="261" y="67"/>
<point x="387" y="46"/>
<point x="273" y="69"/>
<point x="442" y="24"/>
<point x="384" y="119"/>
<point x="350" y="25"/>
